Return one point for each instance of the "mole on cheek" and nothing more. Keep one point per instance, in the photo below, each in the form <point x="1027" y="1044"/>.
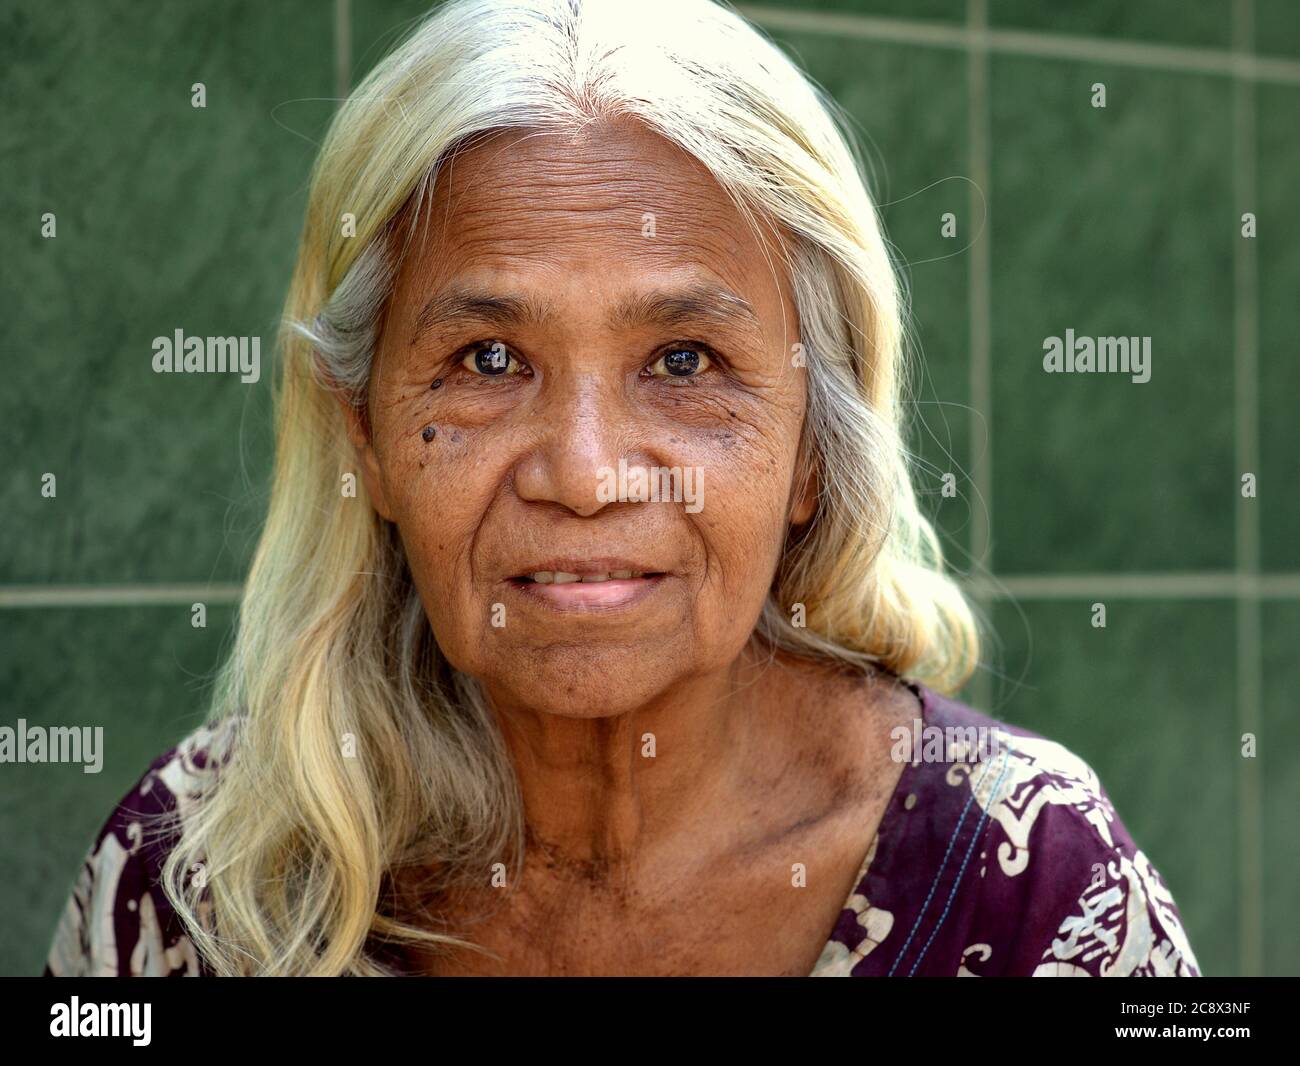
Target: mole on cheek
<point x="429" y="433"/>
<point x="437" y="384"/>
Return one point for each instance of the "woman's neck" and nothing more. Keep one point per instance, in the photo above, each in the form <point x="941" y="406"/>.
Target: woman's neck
<point x="605" y="791"/>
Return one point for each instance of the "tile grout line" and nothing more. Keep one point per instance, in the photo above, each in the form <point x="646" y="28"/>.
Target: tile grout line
<point x="981" y="386"/>
<point x="1209" y="585"/>
<point x="1246" y="422"/>
<point x="342" y="50"/>
<point x="1157" y="587"/>
<point x="118" y="595"/>
<point x="1030" y="43"/>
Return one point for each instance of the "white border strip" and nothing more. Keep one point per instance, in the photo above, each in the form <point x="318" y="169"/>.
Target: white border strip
<point x="979" y="320"/>
<point x="1250" y="666"/>
<point x="117" y="595"/>
<point x="1229" y="584"/>
<point x="342" y="49"/>
<point x="1213" y="585"/>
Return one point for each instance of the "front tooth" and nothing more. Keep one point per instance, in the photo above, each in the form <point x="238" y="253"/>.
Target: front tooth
<point x="592" y="579"/>
<point x="544" y="577"/>
<point x="564" y="578"/>
<point x="616" y="574"/>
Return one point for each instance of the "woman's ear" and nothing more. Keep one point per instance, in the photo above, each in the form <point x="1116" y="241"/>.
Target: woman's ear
<point x="358" y="429"/>
<point x="807" y="487"/>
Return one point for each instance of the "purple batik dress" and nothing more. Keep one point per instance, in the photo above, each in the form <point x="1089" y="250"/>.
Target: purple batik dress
<point x="999" y="854"/>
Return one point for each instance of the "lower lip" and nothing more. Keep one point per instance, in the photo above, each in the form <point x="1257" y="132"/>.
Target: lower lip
<point x="591" y="595"/>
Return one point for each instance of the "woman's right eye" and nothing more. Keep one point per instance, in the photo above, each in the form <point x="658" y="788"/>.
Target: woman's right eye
<point x="491" y="359"/>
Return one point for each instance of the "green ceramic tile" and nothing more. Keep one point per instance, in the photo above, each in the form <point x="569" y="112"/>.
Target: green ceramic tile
<point x="1204" y="23"/>
<point x="378" y="26"/>
<point x="1277" y="166"/>
<point x="139" y="673"/>
<point x="1279" y="770"/>
<point x="168" y="217"/>
<point x="1149" y="703"/>
<point x="1112" y="222"/>
<point x="908" y="111"/>
<point x="1277" y="27"/>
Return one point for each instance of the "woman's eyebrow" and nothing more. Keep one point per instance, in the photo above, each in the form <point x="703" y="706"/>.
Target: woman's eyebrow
<point x="491" y="309"/>
<point x="663" y="308"/>
<point x="695" y="303"/>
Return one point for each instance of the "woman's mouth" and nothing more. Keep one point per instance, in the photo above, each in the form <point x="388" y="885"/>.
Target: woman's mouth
<point x="561" y="577"/>
<point x="589" y="590"/>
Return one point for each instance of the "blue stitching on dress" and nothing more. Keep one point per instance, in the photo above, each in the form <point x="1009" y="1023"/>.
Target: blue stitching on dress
<point x="938" y="874"/>
<point x="957" y="883"/>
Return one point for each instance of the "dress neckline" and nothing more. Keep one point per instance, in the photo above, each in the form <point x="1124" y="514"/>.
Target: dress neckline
<point x="902" y="788"/>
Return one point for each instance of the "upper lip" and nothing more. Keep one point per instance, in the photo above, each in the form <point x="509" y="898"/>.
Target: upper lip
<point x="583" y="565"/>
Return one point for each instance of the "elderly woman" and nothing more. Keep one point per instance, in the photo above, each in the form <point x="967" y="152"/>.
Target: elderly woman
<point x="594" y="628"/>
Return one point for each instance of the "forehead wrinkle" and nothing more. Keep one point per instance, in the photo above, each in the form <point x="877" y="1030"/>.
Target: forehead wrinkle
<point x="529" y="203"/>
<point x="528" y="214"/>
<point x="496" y="235"/>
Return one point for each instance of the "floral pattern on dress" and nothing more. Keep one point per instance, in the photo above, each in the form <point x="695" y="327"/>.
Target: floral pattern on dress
<point x="117" y="920"/>
<point x="1010" y="862"/>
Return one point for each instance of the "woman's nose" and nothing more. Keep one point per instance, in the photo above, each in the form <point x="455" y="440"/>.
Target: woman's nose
<point x="583" y="428"/>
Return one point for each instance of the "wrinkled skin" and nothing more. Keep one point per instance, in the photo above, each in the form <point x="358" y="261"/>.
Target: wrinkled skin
<point x="759" y="762"/>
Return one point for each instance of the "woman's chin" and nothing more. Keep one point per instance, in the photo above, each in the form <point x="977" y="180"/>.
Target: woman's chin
<point x="598" y="686"/>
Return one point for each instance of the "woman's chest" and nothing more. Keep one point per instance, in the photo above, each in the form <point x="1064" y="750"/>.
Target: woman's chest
<point x="768" y="916"/>
<point x="591" y="943"/>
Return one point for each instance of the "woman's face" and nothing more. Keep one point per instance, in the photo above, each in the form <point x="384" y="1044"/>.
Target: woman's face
<point x="570" y="304"/>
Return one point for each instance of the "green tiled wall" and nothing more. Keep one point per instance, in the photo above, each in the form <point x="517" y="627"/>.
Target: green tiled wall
<point x="1155" y="717"/>
<point x="139" y="672"/>
<point x="1120" y="220"/>
<point x="1278" y="119"/>
<point x="1100" y="225"/>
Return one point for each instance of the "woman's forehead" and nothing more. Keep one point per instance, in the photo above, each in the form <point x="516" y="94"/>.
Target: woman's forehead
<point x="615" y="197"/>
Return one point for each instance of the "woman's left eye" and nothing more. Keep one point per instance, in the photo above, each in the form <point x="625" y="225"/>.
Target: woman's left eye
<point x="491" y="359"/>
<point x="681" y="361"/>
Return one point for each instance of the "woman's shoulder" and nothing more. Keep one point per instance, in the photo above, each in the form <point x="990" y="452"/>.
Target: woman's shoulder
<point x="1002" y="853"/>
<point x="117" y="920"/>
